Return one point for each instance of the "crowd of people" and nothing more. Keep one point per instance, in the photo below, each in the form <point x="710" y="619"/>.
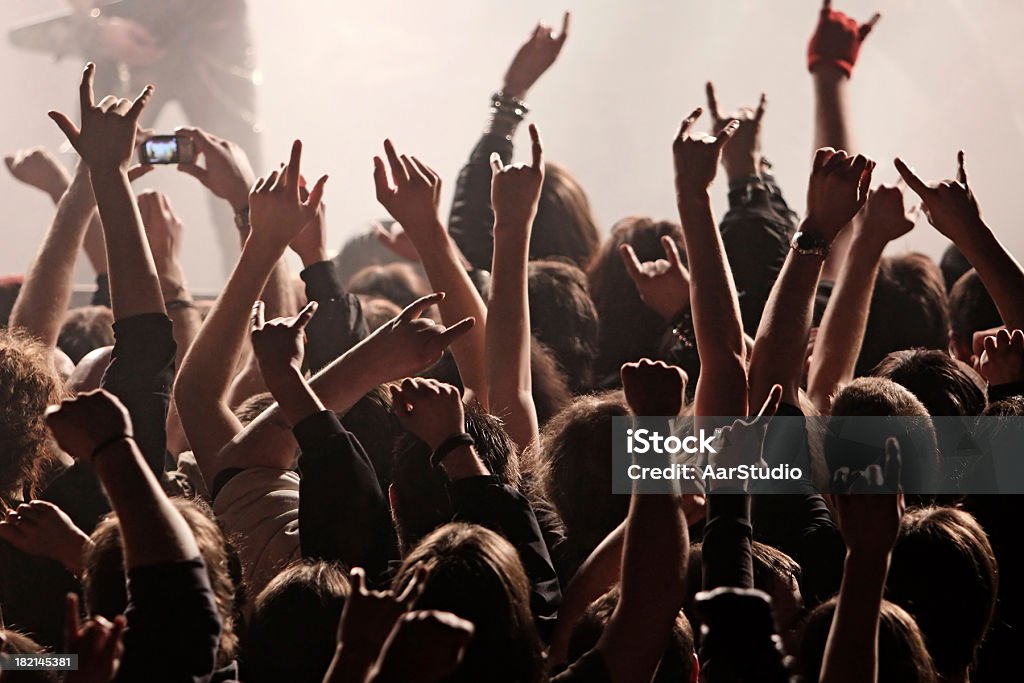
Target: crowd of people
<point x="397" y="467"/>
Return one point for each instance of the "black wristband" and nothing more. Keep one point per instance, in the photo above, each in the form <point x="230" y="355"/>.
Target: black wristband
<point x="108" y="443"/>
<point x="449" y="445"/>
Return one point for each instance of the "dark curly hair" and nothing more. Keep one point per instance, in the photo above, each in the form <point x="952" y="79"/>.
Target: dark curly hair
<point x="28" y="384"/>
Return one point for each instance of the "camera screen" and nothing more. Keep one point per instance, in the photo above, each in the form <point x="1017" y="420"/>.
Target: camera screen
<point x="162" y="150"/>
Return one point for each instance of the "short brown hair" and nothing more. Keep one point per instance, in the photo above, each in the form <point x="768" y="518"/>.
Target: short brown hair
<point x="86" y="329"/>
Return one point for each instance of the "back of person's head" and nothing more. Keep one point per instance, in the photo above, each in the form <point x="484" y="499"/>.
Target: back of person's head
<point x="377" y="311"/>
<point x="17" y="643"/>
<point x="28" y="384"/>
<point x="103" y="582"/>
<point x="902" y="655"/>
<point x="944" y="573"/>
<point x="629" y="330"/>
<point x="254" y="406"/>
<point x="908" y="310"/>
<point x="574" y="467"/>
<point x="86" y="329"/>
<point x="945" y="385"/>
<point x="88" y="374"/>
<point x="362" y="250"/>
<point x="549" y="386"/>
<point x="677" y="665"/>
<point x="293" y="632"/>
<point x="739" y="642"/>
<point x="857" y="443"/>
<point x="953" y="265"/>
<point x="399" y="283"/>
<point x="775" y="573"/>
<point x="476" y="574"/>
<point x="563" y="318"/>
<point x="419" y="491"/>
<point x="565" y="226"/>
<point x="971" y="309"/>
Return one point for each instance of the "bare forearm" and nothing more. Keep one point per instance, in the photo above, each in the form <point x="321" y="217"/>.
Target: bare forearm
<point x="152" y="529"/>
<point x="716" y="314"/>
<point x="842" y="327"/>
<point x="999" y="271"/>
<point x="851" y="651"/>
<point x="94" y="247"/>
<point x="832" y="129"/>
<point x="278" y="296"/>
<point x="781" y="342"/>
<point x="210" y="363"/>
<point x="508" y="342"/>
<point x="44" y="297"/>
<point x="441" y="261"/>
<point x="134" y="283"/>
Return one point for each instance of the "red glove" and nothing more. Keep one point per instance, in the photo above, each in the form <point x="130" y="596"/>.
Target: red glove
<point x="836" y="40"/>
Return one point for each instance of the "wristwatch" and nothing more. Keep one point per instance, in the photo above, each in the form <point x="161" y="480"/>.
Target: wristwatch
<point x="809" y="244"/>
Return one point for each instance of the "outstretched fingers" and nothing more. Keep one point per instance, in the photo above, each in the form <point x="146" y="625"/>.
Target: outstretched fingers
<point x="418" y="307"/>
<point x="258" y="317"/>
<point x="536" y="147"/>
<point x="688" y="122"/>
<point x="913" y="181"/>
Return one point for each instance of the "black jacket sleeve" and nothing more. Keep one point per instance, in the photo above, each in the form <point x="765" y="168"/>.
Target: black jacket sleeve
<point x="343" y="514"/>
<point x="755" y="233"/>
<point x="471" y="222"/>
<point x="725" y="552"/>
<point x="141" y="373"/>
<point x="502" y="509"/>
<point x="800" y="523"/>
<point x="338" y="324"/>
<point x="101" y="297"/>
<point x="173" y="625"/>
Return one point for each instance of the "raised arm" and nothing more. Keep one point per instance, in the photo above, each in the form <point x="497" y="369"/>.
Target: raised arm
<point x="278" y="214"/>
<point x="42" y="303"/>
<point x="655" y="548"/>
<point x="413" y="201"/>
<point x="831" y="56"/>
<point x="403" y="347"/>
<point x="722" y="386"/>
<point x="472" y="218"/>
<point x="515" y="192"/>
<point x="954" y="211"/>
<point x="106" y="143"/>
<point x="869" y="516"/>
<point x="842" y="328"/>
<point x="837" y="190"/>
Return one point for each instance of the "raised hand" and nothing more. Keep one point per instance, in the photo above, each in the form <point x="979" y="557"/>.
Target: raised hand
<point x="164" y="231"/>
<point x="311" y="244"/>
<point x="369" y="615"/>
<point x="42" y="529"/>
<point x="38" y="168"/>
<point x="97" y="642"/>
<point x="277" y="211"/>
<point x="426" y="646"/>
<point x="515" y="189"/>
<point x="885" y="216"/>
<point x="697" y="156"/>
<point x="741" y="442"/>
<point x="742" y="154"/>
<point x="86" y="424"/>
<point x="414" y="198"/>
<point x="837" y="39"/>
<point x="950" y="205"/>
<point x="106" y="138"/>
<point x="280" y="344"/>
<point x="429" y="409"/>
<point x="225" y="172"/>
<point x="664" y="284"/>
<point x="653" y="387"/>
<point x="869" y="504"/>
<point x="535" y="57"/>
<point x="1002" y="361"/>
<point x="837" y="190"/>
<point x="409" y="343"/>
